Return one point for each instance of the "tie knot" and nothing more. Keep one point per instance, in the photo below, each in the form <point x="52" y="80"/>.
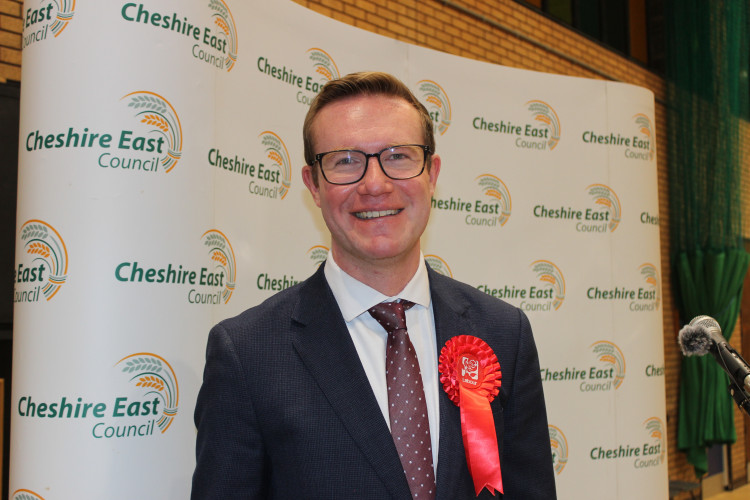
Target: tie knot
<point x="391" y="315"/>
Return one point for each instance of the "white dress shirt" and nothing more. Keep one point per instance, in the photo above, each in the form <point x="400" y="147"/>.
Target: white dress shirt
<point x="355" y="299"/>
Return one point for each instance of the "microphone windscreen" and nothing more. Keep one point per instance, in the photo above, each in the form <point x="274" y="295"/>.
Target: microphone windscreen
<point x="694" y="340"/>
<point x="705" y="321"/>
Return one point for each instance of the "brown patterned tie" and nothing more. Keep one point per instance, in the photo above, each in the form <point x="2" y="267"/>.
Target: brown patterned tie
<point x="410" y="427"/>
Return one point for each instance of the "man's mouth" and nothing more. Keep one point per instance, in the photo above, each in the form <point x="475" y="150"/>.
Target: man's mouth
<point x="374" y="214"/>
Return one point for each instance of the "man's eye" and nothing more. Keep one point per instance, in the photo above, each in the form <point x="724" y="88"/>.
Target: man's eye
<point x="396" y="157"/>
<point x="347" y="160"/>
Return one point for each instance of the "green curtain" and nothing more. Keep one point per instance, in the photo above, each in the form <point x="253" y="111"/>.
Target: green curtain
<point x="706" y="53"/>
<point x="711" y="284"/>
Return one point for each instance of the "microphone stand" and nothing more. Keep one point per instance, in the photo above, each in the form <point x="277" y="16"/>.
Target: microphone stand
<point x="728" y="357"/>
<point x="741" y="397"/>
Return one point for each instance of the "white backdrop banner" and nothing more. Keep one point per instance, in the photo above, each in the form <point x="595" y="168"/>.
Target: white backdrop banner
<point x="160" y="192"/>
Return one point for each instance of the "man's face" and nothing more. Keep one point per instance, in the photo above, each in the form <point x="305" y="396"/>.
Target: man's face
<point x="376" y="221"/>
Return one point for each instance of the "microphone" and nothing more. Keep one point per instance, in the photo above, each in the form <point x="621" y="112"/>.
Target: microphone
<point x="703" y="335"/>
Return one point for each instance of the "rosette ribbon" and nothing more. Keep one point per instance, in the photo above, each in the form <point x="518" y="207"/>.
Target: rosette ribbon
<point x="471" y="376"/>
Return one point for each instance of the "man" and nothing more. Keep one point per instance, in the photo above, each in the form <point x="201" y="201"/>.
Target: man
<point x="295" y="403"/>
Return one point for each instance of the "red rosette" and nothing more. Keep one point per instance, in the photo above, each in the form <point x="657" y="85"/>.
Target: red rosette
<point x="471" y="376"/>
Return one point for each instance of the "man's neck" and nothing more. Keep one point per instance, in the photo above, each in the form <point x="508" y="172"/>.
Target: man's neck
<point x="387" y="276"/>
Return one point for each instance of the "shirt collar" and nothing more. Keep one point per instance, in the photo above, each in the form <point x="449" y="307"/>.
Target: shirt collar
<point x="355" y="298"/>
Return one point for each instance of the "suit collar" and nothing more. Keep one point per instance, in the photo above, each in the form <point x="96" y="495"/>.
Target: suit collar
<point x="451" y="319"/>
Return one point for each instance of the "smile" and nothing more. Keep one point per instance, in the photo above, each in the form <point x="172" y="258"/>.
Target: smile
<point x="376" y="214"/>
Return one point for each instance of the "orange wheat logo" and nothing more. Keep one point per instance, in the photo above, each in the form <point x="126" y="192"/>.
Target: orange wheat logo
<point x="559" y="444"/>
<point x="604" y="196"/>
<point x="276" y="151"/>
<point x="157" y="113"/>
<point x="224" y="20"/>
<point x="549" y="274"/>
<point x="222" y="259"/>
<point x="608" y="353"/>
<point x="438" y="265"/>
<point x="49" y="257"/>
<point x="318" y="254"/>
<point x="323" y="64"/>
<point x="155" y="377"/>
<point x="647" y="130"/>
<point x="26" y="495"/>
<point x="545" y="115"/>
<point x="496" y="189"/>
<point x="437" y="103"/>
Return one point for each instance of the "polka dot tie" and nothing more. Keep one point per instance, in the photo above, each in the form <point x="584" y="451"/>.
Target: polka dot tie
<point x="410" y="427"/>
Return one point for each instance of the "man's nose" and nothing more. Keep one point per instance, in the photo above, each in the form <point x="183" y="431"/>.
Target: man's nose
<point x="375" y="181"/>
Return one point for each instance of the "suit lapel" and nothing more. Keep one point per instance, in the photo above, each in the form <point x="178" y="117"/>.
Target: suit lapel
<point x="450" y="320"/>
<point x="326" y="348"/>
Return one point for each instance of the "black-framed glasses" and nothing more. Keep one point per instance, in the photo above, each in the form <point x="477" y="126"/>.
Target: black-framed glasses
<point x="347" y="166"/>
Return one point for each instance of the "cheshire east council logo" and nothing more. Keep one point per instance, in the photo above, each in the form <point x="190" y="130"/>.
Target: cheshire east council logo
<point x="602" y="215"/>
<point x="644" y="454"/>
<point x="155" y="377"/>
<point x="545" y="292"/>
<point x="497" y="192"/>
<point x="281" y="172"/>
<point x="24" y="494"/>
<point x="211" y="284"/>
<point x="605" y="197"/>
<point x="611" y="356"/>
<point x="43" y="265"/>
<point x="605" y="374"/>
<point x="546" y="116"/>
<point x="492" y="210"/>
<point x="154" y="145"/>
<point x="638" y="146"/>
<point x="437" y="103"/>
<point x="270" y="177"/>
<point x="144" y="408"/>
<point x="308" y="81"/>
<point x="223" y="20"/>
<point x="157" y="113"/>
<point x="52" y="16"/>
<point x="317" y="254"/>
<point x="438" y="265"/>
<point x="541" y="134"/>
<point x="559" y="444"/>
<point x="550" y="275"/>
<point x="222" y="259"/>
<point x="643" y="297"/>
<point x="214" y="44"/>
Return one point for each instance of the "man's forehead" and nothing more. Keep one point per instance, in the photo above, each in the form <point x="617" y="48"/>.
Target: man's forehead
<point x="363" y="100"/>
<point x="359" y="108"/>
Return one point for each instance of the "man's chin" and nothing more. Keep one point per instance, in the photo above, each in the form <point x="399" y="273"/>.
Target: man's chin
<point x="378" y="250"/>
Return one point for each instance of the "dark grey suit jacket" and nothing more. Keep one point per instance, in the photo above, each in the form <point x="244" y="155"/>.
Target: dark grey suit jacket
<point x="286" y="410"/>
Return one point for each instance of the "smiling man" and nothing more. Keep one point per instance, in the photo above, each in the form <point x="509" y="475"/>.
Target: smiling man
<point x="320" y="391"/>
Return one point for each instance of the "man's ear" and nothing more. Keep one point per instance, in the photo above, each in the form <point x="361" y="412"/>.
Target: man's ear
<point x="435" y="163"/>
<point x="307" y="178"/>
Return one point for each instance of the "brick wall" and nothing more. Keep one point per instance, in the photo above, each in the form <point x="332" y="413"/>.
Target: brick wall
<point x="504" y="32"/>
<point x="11" y="26"/>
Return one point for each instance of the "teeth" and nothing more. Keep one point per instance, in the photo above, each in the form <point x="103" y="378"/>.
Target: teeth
<point x="375" y="214"/>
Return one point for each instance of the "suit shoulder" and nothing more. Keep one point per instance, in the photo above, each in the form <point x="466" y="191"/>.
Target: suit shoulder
<point x="274" y="310"/>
